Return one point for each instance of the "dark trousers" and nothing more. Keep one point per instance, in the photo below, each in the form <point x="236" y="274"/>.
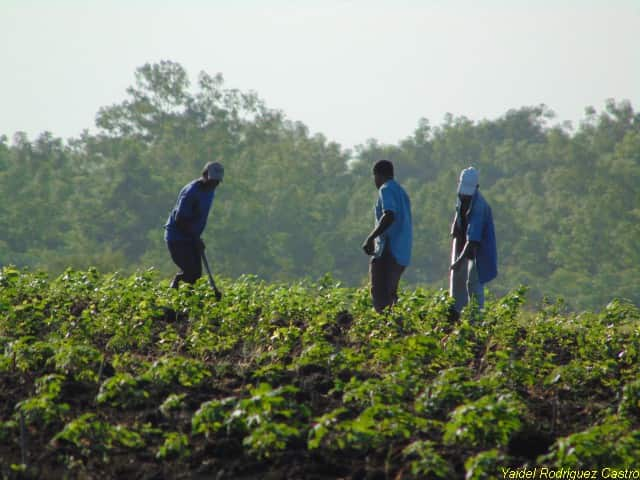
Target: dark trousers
<point x="186" y="256"/>
<point x="384" y="274"/>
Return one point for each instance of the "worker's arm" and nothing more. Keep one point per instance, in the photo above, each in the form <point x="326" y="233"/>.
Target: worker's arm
<point x="385" y="222"/>
<point x="185" y="225"/>
<point x="476" y="221"/>
<point x="185" y="215"/>
<point x="455" y="230"/>
<point x="469" y="252"/>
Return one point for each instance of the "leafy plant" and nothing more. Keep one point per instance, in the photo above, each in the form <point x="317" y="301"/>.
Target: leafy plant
<point x="425" y="461"/>
<point x="92" y="436"/>
<point x="489" y="464"/>
<point x="187" y="372"/>
<point x="487" y="422"/>
<point x="176" y="445"/>
<point x="122" y="390"/>
<point x="406" y="393"/>
<point x="262" y="416"/>
<point x="173" y="402"/>
<point x="613" y="444"/>
<point x="452" y="387"/>
<point x="212" y="416"/>
<point x="630" y="404"/>
<point x="28" y="354"/>
<point x="78" y="360"/>
<point x="44" y="408"/>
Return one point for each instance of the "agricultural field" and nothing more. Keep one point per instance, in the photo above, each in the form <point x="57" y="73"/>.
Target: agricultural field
<point x="111" y="376"/>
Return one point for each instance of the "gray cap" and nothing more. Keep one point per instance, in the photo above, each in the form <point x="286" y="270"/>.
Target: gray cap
<point x="215" y="171"/>
<point x="468" y="181"/>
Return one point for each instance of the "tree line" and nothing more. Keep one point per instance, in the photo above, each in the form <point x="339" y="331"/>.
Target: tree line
<point x="565" y="200"/>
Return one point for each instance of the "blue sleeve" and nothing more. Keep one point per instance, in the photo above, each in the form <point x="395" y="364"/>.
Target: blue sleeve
<point x="476" y="223"/>
<point x="186" y="212"/>
<point x="388" y="200"/>
<point x="184" y="207"/>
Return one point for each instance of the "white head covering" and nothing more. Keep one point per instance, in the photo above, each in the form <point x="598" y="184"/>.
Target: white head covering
<point x="468" y="181"/>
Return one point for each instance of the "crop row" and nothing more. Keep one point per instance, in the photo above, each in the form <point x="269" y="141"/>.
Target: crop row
<point x="105" y="376"/>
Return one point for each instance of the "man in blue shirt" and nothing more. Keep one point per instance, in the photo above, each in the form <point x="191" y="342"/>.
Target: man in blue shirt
<point x="187" y="221"/>
<point x="389" y="243"/>
<point x="474" y="256"/>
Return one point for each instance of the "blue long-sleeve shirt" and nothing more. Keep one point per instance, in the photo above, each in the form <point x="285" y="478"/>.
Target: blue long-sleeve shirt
<point x="192" y="210"/>
<point x="480" y="229"/>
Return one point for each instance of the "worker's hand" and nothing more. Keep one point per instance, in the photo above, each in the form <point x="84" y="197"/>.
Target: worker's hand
<point x="200" y="245"/>
<point x="455" y="230"/>
<point x="368" y="246"/>
<point x="471" y="250"/>
<point x="218" y="294"/>
<point x="456" y="265"/>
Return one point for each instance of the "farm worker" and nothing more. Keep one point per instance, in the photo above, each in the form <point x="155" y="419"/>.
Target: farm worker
<point x="474" y="256"/>
<point x="389" y="243"/>
<point x="187" y="221"/>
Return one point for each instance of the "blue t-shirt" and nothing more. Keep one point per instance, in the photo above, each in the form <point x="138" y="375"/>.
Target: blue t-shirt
<point x="480" y="229"/>
<point x="393" y="198"/>
<point x="192" y="207"/>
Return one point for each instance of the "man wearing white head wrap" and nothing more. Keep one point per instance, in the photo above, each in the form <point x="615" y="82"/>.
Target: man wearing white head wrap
<point x="475" y="259"/>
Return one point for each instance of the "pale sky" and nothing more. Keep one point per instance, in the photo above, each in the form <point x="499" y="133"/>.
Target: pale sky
<point x="351" y="70"/>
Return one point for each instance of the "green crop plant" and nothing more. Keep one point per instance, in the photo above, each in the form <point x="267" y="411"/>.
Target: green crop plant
<point x="45" y="408"/>
<point x="487" y="465"/>
<point x="114" y="376"/>
<point x="172" y="403"/>
<point x="630" y="404"/>
<point x="261" y="418"/>
<point x="27" y="354"/>
<point x="122" y="390"/>
<point x="80" y="361"/>
<point x="92" y="436"/>
<point x="425" y="461"/>
<point x="213" y="416"/>
<point x="168" y="370"/>
<point x="451" y="388"/>
<point x="176" y="445"/>
<point x="489" y="421"/>
<point x="613" y="444"/>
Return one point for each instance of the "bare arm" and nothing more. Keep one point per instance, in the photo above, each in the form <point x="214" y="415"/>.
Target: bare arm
<point x="385" y="222"/>
<point x="468" y="252"/>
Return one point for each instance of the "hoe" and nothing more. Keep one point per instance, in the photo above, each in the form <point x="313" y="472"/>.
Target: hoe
<point x="218" y="294"/>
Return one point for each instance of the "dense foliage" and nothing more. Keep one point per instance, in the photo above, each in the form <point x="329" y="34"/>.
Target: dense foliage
<point x="295" y="205"/>
<point x="108" y="376"/>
